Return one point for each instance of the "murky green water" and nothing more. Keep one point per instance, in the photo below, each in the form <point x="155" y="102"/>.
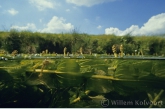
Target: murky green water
<point x="103" y="82"/>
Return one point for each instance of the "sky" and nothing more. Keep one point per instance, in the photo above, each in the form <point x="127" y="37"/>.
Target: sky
<point x="118" y="17"/>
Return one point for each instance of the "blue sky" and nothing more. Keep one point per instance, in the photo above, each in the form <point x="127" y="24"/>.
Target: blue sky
<point x="119" y="17"/>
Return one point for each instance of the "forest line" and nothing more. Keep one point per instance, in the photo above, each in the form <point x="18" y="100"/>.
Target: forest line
<point x="35" y="42"/>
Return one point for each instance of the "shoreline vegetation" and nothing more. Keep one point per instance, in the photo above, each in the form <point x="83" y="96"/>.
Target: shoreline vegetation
<point x="28" y="42"/>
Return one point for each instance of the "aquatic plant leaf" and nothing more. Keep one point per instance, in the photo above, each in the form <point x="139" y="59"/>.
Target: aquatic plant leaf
<point x="159" y="69"/>
<point x="70" y="73"/>
<point x="124" y="70"/>
<point x="68" y="66"/>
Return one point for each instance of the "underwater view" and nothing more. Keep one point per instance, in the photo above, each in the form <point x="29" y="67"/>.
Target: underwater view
<point x="89" y="81"/>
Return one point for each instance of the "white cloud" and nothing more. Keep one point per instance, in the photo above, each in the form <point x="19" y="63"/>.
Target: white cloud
<point x="155" y="25"/>
<point x="44" y="4"/>
<point x="57" y="25"/>
<point x="40" y="20"/>
<point x="12" y="11"/>
<point x="67" y="10"/>
<point x="87" y="3"/>
<point x="29" y="26"/>
<point x="99" y="27"/>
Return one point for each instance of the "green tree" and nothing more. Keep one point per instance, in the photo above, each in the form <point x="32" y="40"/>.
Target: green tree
<point x="13" y="41"/>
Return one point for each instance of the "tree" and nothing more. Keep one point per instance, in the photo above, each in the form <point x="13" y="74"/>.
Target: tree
<point x="13" y="41"/>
